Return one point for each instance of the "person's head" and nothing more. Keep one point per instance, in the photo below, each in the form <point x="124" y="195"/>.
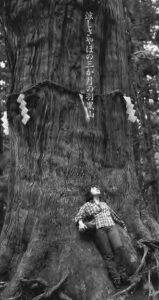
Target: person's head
<point x="93" y="194"/>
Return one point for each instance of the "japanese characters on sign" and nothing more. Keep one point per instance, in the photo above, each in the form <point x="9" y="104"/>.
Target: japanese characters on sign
<point x="89" y="67"/>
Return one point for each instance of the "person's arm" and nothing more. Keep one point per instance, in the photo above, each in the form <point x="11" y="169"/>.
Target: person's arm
<point x="81" y="215"/>
<point x="117" y="219"/>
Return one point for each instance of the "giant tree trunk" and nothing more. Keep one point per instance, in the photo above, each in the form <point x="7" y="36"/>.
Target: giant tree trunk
<point x="1" y="142"/>
<point x="57" y="156"/>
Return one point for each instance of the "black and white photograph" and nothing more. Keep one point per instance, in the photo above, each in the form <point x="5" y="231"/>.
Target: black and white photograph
<point x="79" y="149"/>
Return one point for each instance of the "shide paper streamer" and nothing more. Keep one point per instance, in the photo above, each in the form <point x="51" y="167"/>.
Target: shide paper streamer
<point x="130" y="109"/>
<point x="23" y="108"/>
<point x="5" y="123"/>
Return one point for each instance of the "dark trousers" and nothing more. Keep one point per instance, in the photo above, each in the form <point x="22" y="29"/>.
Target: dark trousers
<point x="106" y="240"/>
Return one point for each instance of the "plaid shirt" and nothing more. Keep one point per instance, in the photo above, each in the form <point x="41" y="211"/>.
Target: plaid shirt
<point x="103" y="214"/>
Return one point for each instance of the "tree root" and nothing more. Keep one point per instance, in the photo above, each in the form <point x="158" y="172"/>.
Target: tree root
<point x="136" y="278"/>
<point x="152" y="292"/>
<point x="18" y="297"/>
<point x="55" y="290"/>
<point x="63" y="296"/>
<point x="40" y="284"/>
<point x="143" y="260"/>
<point x="33" y="283"/>
<point x="125" y="291"/>
<point x="3" y="284"/>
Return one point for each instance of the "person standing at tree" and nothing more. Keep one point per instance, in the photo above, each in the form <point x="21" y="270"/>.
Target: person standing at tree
<point x="106" y="235"/>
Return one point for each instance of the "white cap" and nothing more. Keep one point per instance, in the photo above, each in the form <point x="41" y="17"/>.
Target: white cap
<point x="95" y="191"/>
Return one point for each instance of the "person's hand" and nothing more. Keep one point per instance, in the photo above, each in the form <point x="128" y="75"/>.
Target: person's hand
<point x="82" y="226"/>
<point x="125" y="229"/>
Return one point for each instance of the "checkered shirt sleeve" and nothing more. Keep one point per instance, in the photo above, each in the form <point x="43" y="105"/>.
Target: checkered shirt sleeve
<point x="116" y="218"/>
<point x="84" y="212"/>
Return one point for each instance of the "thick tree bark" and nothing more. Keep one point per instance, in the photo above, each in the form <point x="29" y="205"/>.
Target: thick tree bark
<point x="57" y="156"/>
<point x="1" y="143"/>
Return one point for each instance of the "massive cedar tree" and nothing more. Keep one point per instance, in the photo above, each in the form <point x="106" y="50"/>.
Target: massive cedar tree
<point x="57" y="155"/>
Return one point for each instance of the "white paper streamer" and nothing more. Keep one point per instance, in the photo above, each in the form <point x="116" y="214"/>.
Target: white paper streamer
<point x="24" y="109"/>
<point x="5" y="123"/>
<point x="130" y="109"/>
<point x="25" y="119"/>
<point x="22" y="104"/>
<point x="20" y="98"/>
